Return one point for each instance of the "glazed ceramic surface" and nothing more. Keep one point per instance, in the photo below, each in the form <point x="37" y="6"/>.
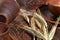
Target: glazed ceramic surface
<point x="54" y="6"/>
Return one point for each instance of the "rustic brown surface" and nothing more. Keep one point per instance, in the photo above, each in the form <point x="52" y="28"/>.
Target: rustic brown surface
<point x="18" y="33"/>
<point x="30" y="4"/>
<point x="4" y="31"/>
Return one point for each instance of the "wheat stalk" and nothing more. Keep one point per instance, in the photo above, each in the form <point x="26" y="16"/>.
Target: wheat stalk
<point x="42" y="32"/>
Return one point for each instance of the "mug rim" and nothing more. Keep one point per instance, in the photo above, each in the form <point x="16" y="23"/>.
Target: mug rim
<point x="53" y="4"/>
<point x="5" y="17"/>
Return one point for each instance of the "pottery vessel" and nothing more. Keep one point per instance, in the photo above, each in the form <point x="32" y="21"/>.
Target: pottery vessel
<point x="54" y="6"/>
<point x="8" y="10"/>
